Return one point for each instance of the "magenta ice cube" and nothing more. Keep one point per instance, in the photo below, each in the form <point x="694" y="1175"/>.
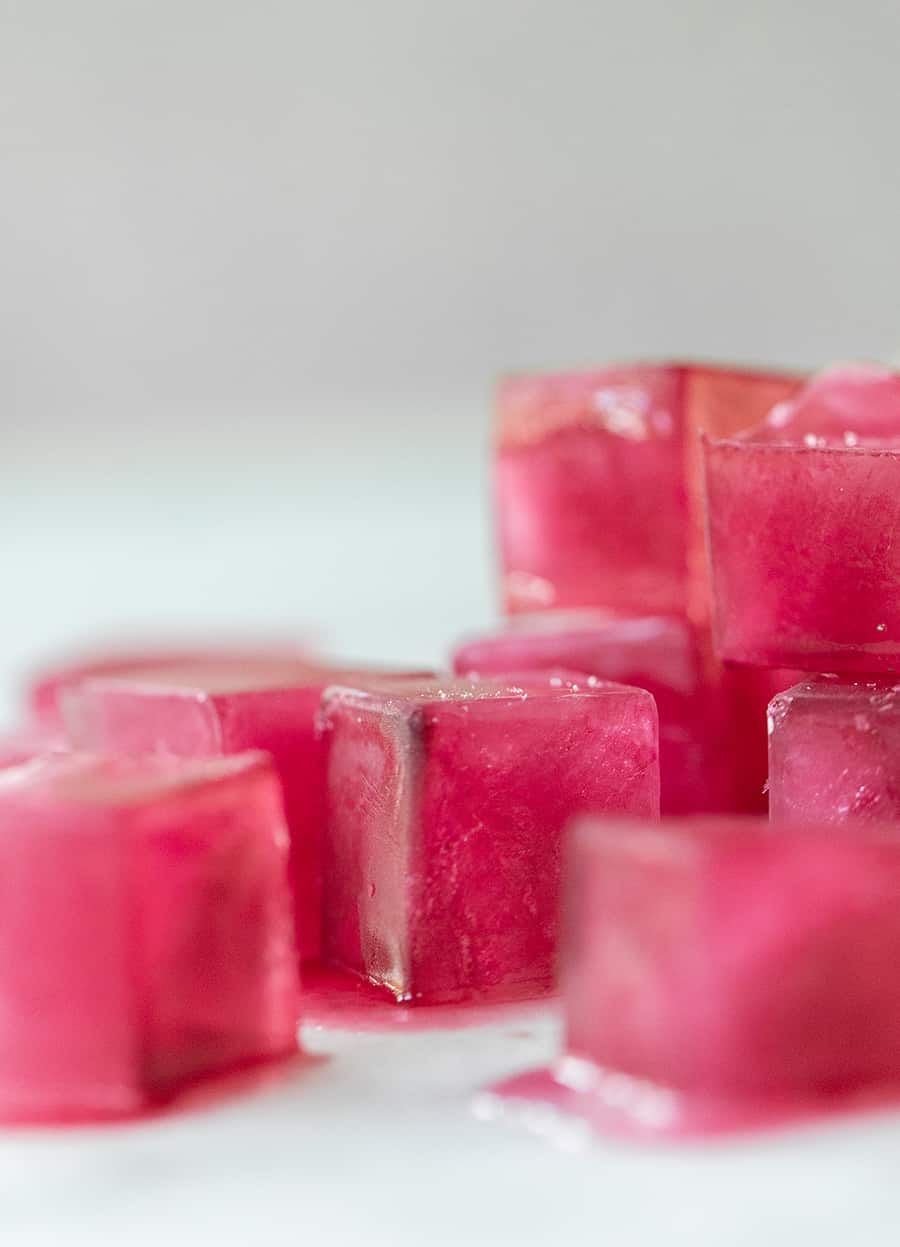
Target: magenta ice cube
<point x="146" y="937"/>
<point x="834" y="751"/>
<point x="47" y="689"/>
<point x="712" y="723"/>
<point x="802" y="512"/>
<point x="734" y="958"/>
<point x="446" y="807"/>
<point x="598" y="482"/>
<point x="219" y="706"/>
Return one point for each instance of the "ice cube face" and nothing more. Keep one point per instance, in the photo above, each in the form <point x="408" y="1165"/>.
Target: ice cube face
<point x="712" y="723"/>
<point x="446" y="809"/>
<point x="220" y="707"/>
<point x="805" y="570"/>
<point x="598" y="483"/>
<point x="146" y="937"/>
<point x="734" y="958"/>
<point x="834" y="749"/>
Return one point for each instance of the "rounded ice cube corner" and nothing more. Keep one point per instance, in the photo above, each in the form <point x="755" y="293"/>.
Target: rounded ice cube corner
<point x="734" y="959"/>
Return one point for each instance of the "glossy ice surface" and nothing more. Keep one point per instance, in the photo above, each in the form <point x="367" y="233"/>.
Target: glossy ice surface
<point x="802" y="517"/>
<point x="146" y="937"/>
<point x="446" y="808"/>
<point x="834" y="749"/>
<point x="735" y="958"/>
<point x="712" y="724"/>
<point x="221" y="706"/>
<point x="598" y="484"/>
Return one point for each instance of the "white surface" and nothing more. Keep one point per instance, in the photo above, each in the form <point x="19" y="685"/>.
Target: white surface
<point x="377" y="1146"/>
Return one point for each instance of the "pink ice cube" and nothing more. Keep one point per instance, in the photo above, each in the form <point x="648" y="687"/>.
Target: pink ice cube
<point x="712" y="723"/>
<point x="846" y="406"/>
<point x="598" y="482"/>
<point x="48" y="688"/>
<point x="834" y="750"/>
<point x="802" y="513"/>
<point x="146" y="936"/>
<point x="219" y="706"/>
<point x="446" y="807"/>
<point x="734" y="958"/>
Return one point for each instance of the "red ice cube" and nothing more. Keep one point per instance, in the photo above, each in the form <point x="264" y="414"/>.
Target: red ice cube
<point x="834" y="749"/>
<point x="599" y="486"/>
<point x="734" y="958"/>
<point x="802" y="513"/>
<point x="218" y="706"/>
<point x="146" y="936"/>
<point x="446" y="807"/>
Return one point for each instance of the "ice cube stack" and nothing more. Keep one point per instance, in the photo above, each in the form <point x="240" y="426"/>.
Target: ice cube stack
<point x="746" y="966"/>
<point x="184" y="834"/>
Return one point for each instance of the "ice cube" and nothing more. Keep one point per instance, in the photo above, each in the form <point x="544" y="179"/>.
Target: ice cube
<point x="219" y="706"/>
<point x="802" y="514"/>
<point x="598" y="482"/>
<point x="846" y="406"/>
<point x="446" y="808"/>
<point x="146" y="936"/>
<point x="734" y="958"/>
<point x="48" y="687"/>
<point x="834" y="749"/>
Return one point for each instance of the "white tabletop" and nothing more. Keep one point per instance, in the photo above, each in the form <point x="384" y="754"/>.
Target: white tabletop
<point x="378" y="1144"/>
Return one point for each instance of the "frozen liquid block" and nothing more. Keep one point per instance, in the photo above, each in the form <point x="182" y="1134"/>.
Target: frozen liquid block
<point x="218" y="707"/>
<point x="734" y="958"/>
<point x="599" y="485"/>
<point x="834" y="750"/>
<point x="47" y="689"/>
<point x="446" y="808"/>
<point x="806" y="571"/>
<point x="146" y="937"/>
<point x="712" y="723"/>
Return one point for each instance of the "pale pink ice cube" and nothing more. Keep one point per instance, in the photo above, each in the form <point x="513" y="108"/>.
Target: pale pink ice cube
<point x="834" y="751"/>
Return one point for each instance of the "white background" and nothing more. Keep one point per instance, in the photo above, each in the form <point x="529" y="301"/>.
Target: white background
<point x="261" y="262"/>
<point x="259" y="265"/>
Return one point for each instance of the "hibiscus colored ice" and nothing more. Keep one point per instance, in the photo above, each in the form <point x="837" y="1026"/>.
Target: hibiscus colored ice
<point x="446" y="807"/>
<point x="146" y="937"/>
<point x="47" y="690"/>
<point x="802" y="514"/>
<point x="222" y="706"/>
<point x="598" y="482"/>
<point x="712" y="723"/>
<point x="834" y="749"/>
<point x="734" y="958"/>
